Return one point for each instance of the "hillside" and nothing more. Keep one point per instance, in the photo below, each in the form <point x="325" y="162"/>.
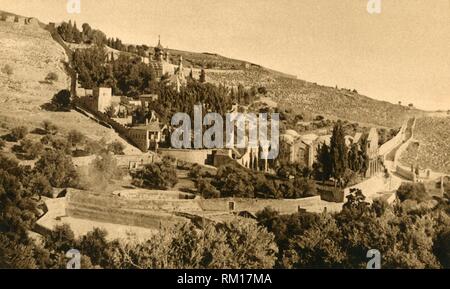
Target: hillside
<point x="300" y="96"/>
<point x="32" y="53"/>
<point x="293" y="95"/>
<point x="433" y="148"/>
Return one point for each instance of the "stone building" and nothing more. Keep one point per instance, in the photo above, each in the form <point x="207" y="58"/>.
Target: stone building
<point x="160" y="61"/>
<point x="179" y="79"/>
<point x="295" y="148"/>
<point x="9" y="18"/>
<point x="146" y="136"/>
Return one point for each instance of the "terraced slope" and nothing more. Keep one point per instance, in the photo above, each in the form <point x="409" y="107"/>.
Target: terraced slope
<point x="433" y="148"/>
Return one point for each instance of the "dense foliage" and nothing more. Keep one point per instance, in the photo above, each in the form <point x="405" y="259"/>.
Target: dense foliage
<point x="409" y="235"/>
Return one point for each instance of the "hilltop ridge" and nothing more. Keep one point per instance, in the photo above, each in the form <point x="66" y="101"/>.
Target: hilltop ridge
<point x="294" y="95"/>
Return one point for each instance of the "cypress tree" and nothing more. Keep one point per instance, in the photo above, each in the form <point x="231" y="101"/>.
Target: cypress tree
<point x="338" y="152"/>
<point x="202" y="76"/>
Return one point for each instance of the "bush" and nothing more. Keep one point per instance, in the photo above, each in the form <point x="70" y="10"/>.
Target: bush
<point x="49" y="127"/>
<point x="18" y="133"/>
<point x="2" y="144"/>
<point x="31" y="149"/>
<point x="51" y="76"/>
<point x="62" y="100"/>
<point x="58" y="169"/>
<point x="162" y="175"/>
<point x="40" y="185"/>
<point x="75" y="138"/>
<point x="116" y="147"/>
<point x="410" y="191"/>
<point x="206" y="189"/>
<point x="8" y="70"/>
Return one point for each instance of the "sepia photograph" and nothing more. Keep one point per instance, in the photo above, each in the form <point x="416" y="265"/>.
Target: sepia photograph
<point x="264" y="135"/>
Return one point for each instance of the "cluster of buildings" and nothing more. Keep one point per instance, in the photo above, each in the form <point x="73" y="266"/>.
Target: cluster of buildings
<point x="141" y="125"/>
<point x="296" y="148"/>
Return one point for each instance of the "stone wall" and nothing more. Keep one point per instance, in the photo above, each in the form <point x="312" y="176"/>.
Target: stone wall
<point x="393" y="143"/>
<point x="284" y="206"/>
<point x="201" y="156"/>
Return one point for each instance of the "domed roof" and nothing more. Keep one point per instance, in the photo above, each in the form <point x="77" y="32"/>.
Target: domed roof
<point x="309" y="138"/>
<point x="287" y="138"/>
<point x="292" y="132"/>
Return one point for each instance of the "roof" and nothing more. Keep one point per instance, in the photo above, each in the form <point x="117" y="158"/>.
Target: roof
<point x="308" y="138"/>
<point x="152" y="127"/>
<point x="292" y="133"/>
<point x="287" y="138"/>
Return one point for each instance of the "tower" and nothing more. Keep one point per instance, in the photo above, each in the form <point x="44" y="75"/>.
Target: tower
<point x="159" y="50"/>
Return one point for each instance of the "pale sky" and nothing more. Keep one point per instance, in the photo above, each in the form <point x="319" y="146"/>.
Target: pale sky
<point x="402" y="54"/>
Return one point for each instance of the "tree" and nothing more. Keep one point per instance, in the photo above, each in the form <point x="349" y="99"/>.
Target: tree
<point x="161" y="175"/>
<point x="18" y="133"/>
<point x="304" y="188"/>
<point x="202" y="78"/>
<point x="62" y="100"/>
<point x="318" y="246"/>
<point x="41" y="185"/>
<point x="206" y="189"/>
<point x="412" y="191"/>
<point x="234" y="182"/>
<point x="58" y="169"/>
<point x="31" y="149"/>
<point x="322" y="168"/>
<point x="232" y="245"/>
<point x="338" y="152"/>
<point x="18" y="208"/>
<point x="442" y="248"/>
<point x="95" y="245"/>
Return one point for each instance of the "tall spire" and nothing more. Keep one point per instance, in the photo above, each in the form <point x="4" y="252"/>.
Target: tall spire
<point x="159" y="42"/>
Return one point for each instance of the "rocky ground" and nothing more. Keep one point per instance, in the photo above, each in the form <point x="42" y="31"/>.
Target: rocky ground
<point x="433" y="148"/>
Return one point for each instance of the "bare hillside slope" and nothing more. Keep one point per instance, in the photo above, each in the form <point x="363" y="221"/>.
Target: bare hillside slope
<point x="32" y="53"/>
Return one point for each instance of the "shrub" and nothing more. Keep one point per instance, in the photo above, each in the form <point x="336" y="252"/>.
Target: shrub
<point x="18" y="133"/>
<point x="75" y="138"/>
<point x="409" y="191"/>
<point x="8" y="70"/>
<point x="116" y="147"/>
<point x="62" y="100"/>
<point x="58" y="169"/>
<point x="31" y="149"/>
<point x="206" y="189"/>
<point x="41" y="185"/>
<point x="160" y="175"/>
<point x="51" y="76"/>
<point x="2" y="144"/>
<point x="49" y="127"/>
